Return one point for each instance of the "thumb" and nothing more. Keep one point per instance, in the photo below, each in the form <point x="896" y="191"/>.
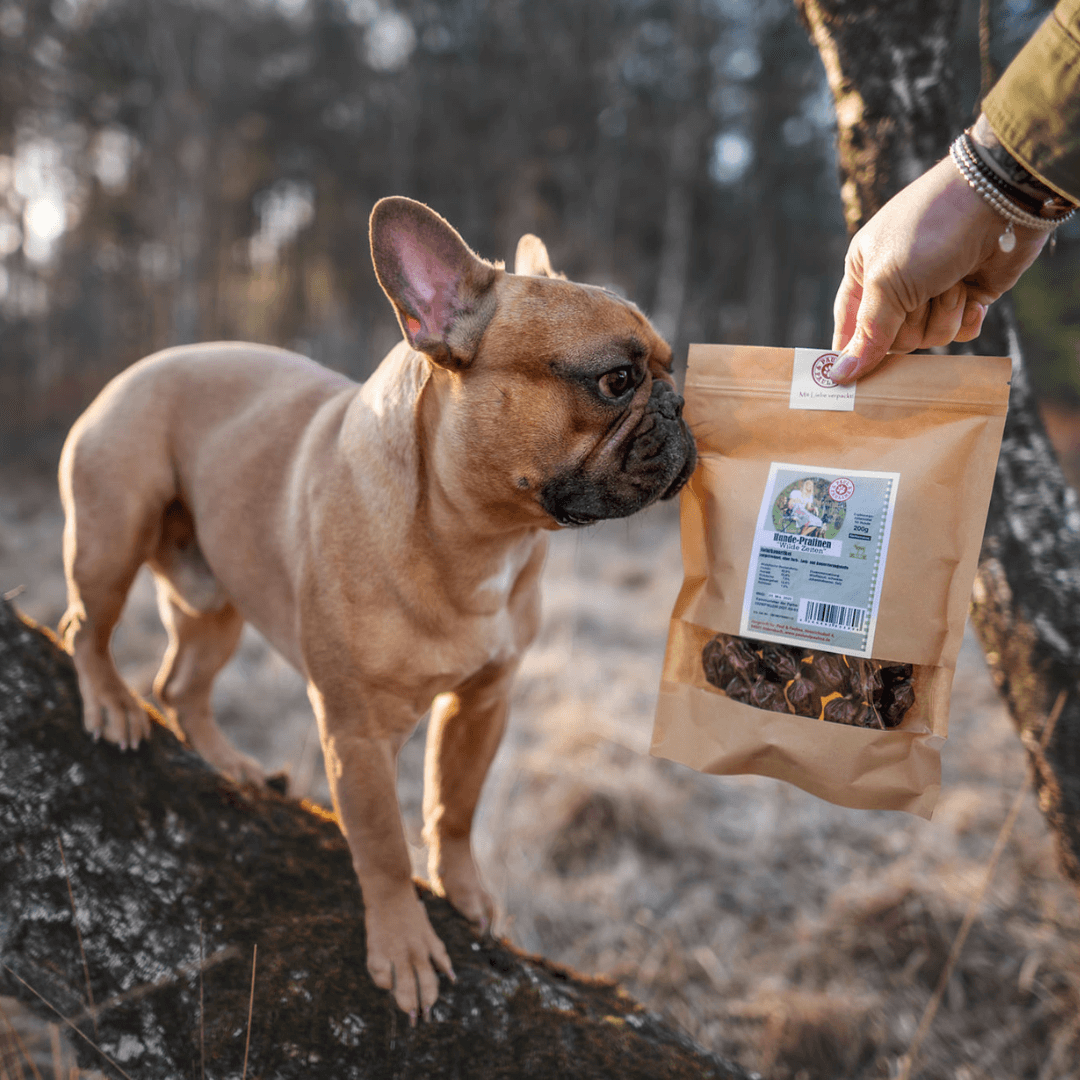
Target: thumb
<point x="876" y="326"/>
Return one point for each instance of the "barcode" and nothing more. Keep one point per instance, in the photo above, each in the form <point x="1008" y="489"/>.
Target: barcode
<point x="817" y="613"/>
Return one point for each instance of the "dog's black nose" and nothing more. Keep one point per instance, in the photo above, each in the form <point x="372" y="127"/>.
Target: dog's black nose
<point x="667" y="402"/>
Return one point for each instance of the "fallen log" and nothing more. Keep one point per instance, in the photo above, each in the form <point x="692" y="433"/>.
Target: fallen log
<point x="135" y="889"/>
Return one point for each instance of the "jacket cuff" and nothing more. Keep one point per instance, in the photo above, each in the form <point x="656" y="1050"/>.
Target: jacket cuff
<point x="1034" y="108"/>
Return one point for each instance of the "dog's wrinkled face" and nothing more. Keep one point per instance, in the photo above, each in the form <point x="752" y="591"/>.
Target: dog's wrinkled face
<point x="565" y="405"/>
<point x="622" y="443"/>
<point x="649" y="455"/>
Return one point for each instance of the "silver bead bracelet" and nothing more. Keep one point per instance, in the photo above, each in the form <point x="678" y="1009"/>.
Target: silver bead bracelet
<point x="964" y="159"/>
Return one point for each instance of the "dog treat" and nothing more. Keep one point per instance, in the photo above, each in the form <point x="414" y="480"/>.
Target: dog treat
<point x="768" y="695"/>
<point x="831" y="673"/>
<point x="846" y="710"/>
<point x="738" y="689"/>
<point x="781" y="662"/>
<point x="718" y="668"/>
<point x="804" y="694"/>
<point x="864" y="680"/>
<point x="829" y="686"/>
<point x="896" y="701"/>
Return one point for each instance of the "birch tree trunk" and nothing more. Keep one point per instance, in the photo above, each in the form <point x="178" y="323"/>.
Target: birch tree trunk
<point x="888" y="65"/>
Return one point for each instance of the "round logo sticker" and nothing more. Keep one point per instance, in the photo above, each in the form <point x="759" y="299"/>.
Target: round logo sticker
<point x="841" y="489"/>
<point x="820" y="371"/>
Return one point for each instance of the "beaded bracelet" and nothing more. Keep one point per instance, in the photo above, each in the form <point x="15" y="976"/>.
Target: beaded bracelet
<point x="1024" y="200"/>
<point x="1014" y="174"/>
<point x="967" y="162"/>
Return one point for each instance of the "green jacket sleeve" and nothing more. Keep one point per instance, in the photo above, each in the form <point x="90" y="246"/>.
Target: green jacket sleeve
<point x="1035" y="107"/>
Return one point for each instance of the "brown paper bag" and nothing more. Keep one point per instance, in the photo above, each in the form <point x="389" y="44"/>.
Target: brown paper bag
<point x="842" y="520"/>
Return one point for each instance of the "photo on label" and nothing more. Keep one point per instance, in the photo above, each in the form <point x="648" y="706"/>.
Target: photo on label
<point x="805" y="507"/>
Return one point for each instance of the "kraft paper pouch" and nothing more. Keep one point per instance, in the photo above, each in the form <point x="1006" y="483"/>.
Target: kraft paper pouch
<point x="828" y="520"/>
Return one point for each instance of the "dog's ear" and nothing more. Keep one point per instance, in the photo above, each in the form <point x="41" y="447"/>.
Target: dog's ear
<point x="532" y="259"/>
<point x="442" y="292"/>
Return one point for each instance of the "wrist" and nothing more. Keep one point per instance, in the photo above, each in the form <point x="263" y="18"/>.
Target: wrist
<point x="1013" y="177"/>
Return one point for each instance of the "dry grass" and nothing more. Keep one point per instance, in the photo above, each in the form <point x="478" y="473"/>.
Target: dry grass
<point x="31" y="1050"/>
<point x="803" y="939"/>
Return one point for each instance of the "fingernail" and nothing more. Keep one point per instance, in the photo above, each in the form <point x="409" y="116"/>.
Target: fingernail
<point x="954" y="303"/>
<point x="427" y="1015"/>
<point x="973" y="314"/>
<point x="452" y="976"/>
<point x="412" y="1018"/>
<point x="844" y="368"/>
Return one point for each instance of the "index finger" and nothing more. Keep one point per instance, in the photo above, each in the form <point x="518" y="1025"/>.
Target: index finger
<point x="845" y="311"/>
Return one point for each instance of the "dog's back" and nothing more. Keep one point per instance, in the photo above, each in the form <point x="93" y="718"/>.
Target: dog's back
<point x="196" y="433"/>
<point x="224" y="391"/>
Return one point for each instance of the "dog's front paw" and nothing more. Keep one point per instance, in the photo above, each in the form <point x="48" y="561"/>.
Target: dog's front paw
<point x="111" y="710"/>
<point x="454" y="875"/>
<point x="403" y="951"/>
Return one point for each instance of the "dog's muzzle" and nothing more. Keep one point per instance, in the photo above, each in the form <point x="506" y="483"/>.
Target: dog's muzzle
<point x="653" y="462"/>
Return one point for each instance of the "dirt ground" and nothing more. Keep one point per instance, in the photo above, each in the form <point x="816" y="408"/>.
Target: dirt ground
<point x="800" y="938"/>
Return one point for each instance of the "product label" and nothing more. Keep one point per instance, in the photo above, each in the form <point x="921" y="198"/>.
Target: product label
<point x="811" y="387"/>
<point x="819" y="557"/>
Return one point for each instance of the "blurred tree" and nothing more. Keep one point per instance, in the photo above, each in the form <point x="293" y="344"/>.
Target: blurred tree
<point x="172" y="170"/>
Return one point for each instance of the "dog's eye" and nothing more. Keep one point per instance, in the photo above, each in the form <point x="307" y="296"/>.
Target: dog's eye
<point x="615" y="383"/>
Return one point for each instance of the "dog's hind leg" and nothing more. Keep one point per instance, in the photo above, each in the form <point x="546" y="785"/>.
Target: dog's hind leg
<point x="200" y="644"/>
<point x="109" y="530"/>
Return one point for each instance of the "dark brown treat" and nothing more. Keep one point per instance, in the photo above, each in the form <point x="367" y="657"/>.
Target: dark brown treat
<point x="864" y="680"/>
<point x="898" y="694"/>
<point x="873" y="718"/>
<point x="767" y="695"/>
<point x="804" y="697"/>
<point x="741" y="655"/>
<point x="830" y="672"/>
<point x="738" y="690"/>
<point x="844" y="710"/>
<point x="714" y="661"/>
<point x="780" y="662"/>
<point x="900" y="697"/>
<point x="725" y="658"/>
<point x="894" y="673"/>
<point x="787" y="678"/>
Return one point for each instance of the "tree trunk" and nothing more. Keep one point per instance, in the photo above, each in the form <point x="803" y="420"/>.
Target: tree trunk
<point x="684" y="158"/>
<point x="674" y="269"/>
<point x="167" y="862"/>
<point x="897" y="109"/>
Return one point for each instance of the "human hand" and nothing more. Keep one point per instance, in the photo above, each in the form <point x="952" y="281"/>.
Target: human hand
<point x="922" y="272"/>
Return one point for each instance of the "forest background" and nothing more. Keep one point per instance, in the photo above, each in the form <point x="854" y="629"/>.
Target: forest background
<point x="183" y="170"/>
<point x="176" y="171"/>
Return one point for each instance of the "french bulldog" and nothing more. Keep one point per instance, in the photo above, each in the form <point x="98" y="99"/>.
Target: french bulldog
<point x="386" y="537"/>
